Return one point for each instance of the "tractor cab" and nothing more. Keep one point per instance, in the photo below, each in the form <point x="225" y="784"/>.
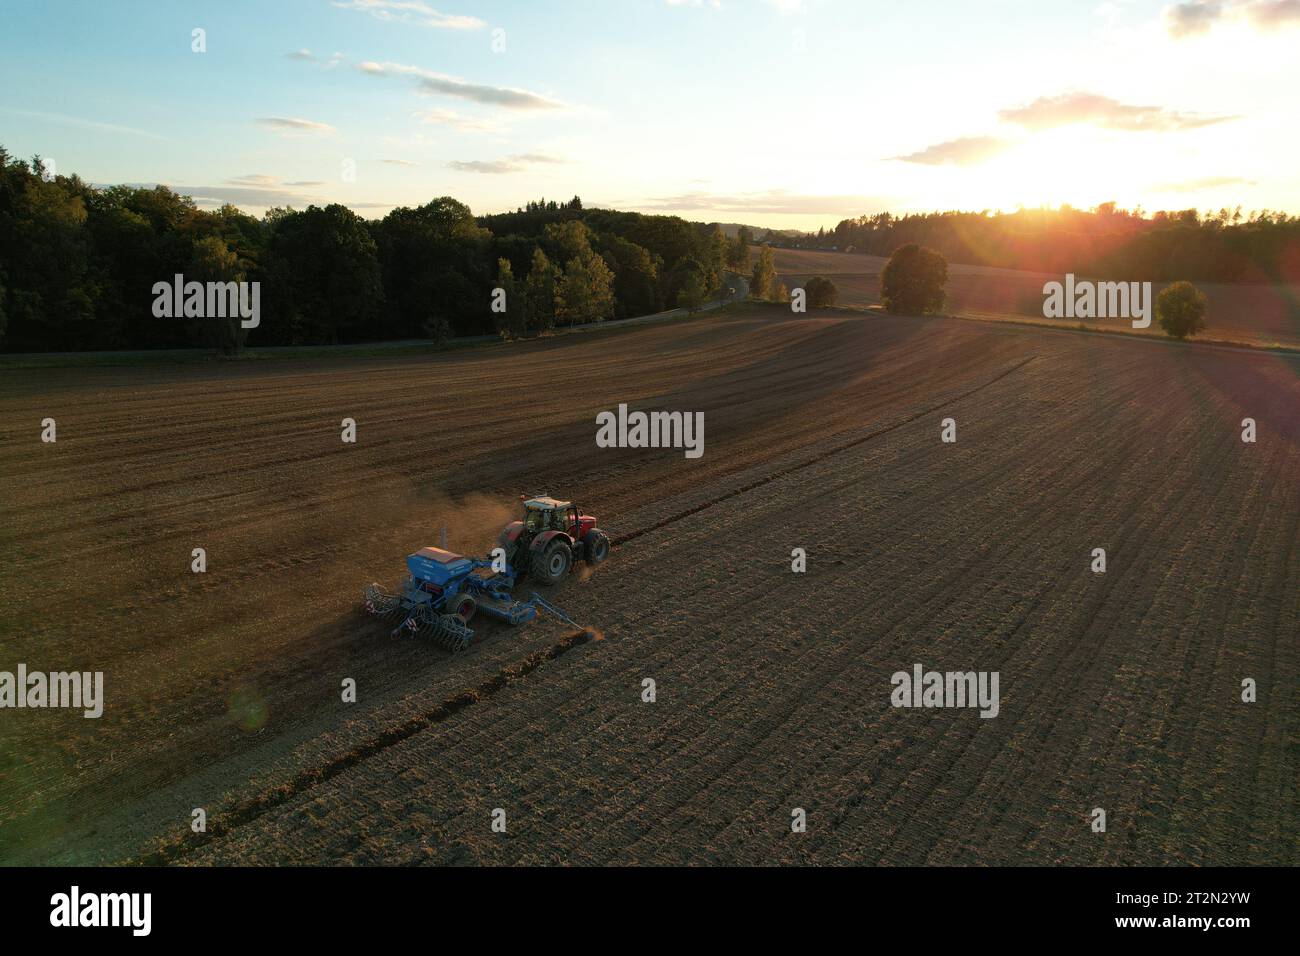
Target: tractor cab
<point x="550" y="514"/>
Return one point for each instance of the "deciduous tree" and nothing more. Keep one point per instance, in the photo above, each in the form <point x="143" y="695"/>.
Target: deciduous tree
<point x="1180" y="310"/>
<point x="912" y="281"/>
<point x="762" y="282"/>
<point x="539" y="294"/>
<point x="821" y="292"/>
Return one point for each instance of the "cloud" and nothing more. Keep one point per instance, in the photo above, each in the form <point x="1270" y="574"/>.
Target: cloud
<point x="398" y="162"/>
<point x="772" y="201"/>
<point x="1193" y="17"/>
<point x="496" y="167"/>
<point x="1196" y="17"/>
<point x="1049" y="112"/>
<point x="412" y="11"/>
<point x="252" y="197"/>
<point x="243" y="196"/>
<point x="306" y="56"/>
<point x="445" y="117"/>
<point x="291" y="124"/>
<point x="1209" y="182"/>
<point x="508" y="97"/>
<point x="263" y="181"/>
<point x="961" y="152"/>
<point x="492" y="167"/>
<point x="253" y="179"/>
<point x="62" y="119"/>
<point x="1271" y="14"/>
<point x="254" y="189"/>
<point x="440" y="84"/>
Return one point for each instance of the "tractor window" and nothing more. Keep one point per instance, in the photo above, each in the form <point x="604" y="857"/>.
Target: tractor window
<point x="535" y="520"/>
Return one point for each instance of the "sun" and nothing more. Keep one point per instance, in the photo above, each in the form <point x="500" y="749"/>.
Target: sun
<point x="1076" y="165"/>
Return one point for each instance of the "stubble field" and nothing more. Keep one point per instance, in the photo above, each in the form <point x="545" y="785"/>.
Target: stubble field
<point x="1119" y="690"/>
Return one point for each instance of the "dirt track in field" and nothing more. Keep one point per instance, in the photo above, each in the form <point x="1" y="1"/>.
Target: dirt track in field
<point x="1119" y="690"/>
<point x="1254" y="315"/>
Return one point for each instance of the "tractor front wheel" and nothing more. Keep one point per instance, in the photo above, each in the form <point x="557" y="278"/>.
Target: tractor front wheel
<point x="551" y="566"/>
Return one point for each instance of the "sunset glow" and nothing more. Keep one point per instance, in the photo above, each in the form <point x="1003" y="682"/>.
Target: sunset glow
<point x="815" y="110"/>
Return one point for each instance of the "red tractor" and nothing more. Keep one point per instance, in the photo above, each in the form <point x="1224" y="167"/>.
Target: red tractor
<point x="550" y="539"/>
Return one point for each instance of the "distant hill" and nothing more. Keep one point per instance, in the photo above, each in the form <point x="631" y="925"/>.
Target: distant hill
<point x="730" y="229"/>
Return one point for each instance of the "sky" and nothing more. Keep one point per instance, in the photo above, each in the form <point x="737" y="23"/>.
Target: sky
<point x="780" y="113"/>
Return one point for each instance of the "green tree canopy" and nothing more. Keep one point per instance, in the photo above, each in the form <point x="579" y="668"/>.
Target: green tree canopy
<point x="510" y="323"/>
<point x="1180" y="310"/>
<point x="324" y="283"/>
<point x="762" y="282"/>
<point x="821" y="292"/>
<point x="636" y="276"/>
<point x="434" y="261"/>
<point x="692" y="293"/>
<point x="738" y="250"/>
<point x="912" y="281"/>
<point x="585" y="291"/>
<point x="213" y="261"/>
<point x="539" y="294"/>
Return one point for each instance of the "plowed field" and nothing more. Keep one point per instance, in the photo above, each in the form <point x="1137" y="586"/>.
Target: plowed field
<point x="1119" y="691"/>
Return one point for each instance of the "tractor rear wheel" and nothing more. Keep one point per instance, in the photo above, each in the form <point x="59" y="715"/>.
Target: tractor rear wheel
<point x="551" y="566"/>
<point x="595" y="546"/>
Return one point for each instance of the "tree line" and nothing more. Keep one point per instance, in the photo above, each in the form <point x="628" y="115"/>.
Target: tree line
<point x="1224" y="246"/>
<point x="78" y="264"/>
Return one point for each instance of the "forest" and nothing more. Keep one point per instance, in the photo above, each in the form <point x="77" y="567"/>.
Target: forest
<point x="78" y="264"/>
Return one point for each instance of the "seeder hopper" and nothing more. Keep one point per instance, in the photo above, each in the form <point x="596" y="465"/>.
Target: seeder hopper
<point x="443" y="592"/>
